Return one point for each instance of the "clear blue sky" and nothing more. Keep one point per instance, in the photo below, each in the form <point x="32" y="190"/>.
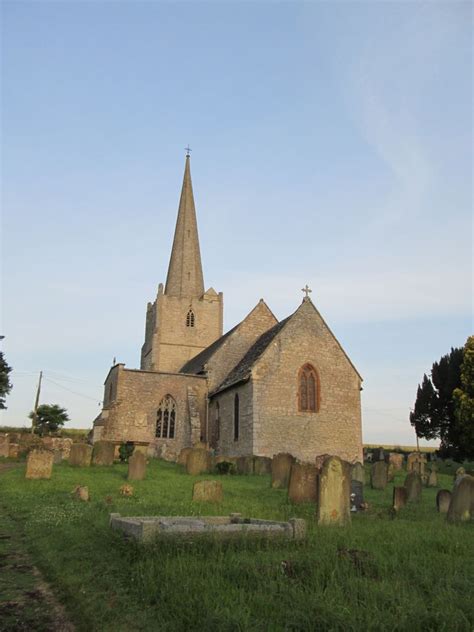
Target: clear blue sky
<point x="332" y="145"/>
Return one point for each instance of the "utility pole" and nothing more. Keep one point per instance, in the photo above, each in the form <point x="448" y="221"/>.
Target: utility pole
<point x="35" y="409"/>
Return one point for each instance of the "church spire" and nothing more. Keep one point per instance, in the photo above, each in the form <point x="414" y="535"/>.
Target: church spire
<point x="185" y="277"/>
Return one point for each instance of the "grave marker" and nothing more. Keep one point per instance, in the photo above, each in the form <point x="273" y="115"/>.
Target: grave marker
<point x="39" y="463"/>
<point x="207" y="491"/>
<point x="303" y="484"/>
<point x="334" y="492"/>
<point x="281" y="469"/>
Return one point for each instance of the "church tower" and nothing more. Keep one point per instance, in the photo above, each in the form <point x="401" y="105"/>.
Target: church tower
<point x="184" y="319"/>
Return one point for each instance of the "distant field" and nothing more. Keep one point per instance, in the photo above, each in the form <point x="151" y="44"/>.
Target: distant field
<point x="405" y="448"/>
<point x="409" y="572"/>
<point x="65" y="432"/>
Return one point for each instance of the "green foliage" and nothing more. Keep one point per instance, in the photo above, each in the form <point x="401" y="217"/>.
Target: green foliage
<point x="225" y="467"/>
<point x="5" y="384"/>
<point x="49" y="418"/>
<point x="126" y="451"/>
<point x="464" y="402"/>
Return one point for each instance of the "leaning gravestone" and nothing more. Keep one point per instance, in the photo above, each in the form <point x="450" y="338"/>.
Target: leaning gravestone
<point x="198" y="461"/>
<point x="4" y="445"/>
<point x="136" y="467"/>
<point x="443" y="498"/>
<point x="432" y="479"/>
<point x="262" y="465"/>
<point x="281" y="468"/>
<point x="207" y="491"/>
<point x="80" y="454"/>
<point x="461" y="507"/>
<point x="39" y="463"/>
<point x="413" y="485"/>
<point x="399" y="498"/>
<point x="396" y="459"/>
<point x="358" y="473"/>
<point x="303" y="485"/>
<point x="334" y="492"/>
<point x="103" y="453"/>
<point x="379" y="475"/>
<point x="183" y="456"/>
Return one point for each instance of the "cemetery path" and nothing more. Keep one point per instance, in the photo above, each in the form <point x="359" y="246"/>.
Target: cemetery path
<point x="27" y="603"/>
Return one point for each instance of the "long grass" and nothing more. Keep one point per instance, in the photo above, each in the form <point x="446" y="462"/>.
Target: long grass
<point x="409" y="572"/>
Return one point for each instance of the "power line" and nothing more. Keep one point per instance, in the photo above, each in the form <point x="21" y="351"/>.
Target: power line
<point x="94" y="399"/>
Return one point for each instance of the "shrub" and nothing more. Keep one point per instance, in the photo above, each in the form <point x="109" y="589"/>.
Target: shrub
<point x="126" y="451"/>
<point x="225" y="467"/>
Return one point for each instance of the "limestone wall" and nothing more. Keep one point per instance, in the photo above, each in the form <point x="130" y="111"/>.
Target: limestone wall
<point x="226" y="445"/>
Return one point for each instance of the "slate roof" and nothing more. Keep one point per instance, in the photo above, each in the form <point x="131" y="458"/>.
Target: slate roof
<point x="241" y="371"/>
<point x="196" y="364"/>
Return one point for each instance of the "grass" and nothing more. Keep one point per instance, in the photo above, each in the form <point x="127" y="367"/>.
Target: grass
<point x="412" y="572"/>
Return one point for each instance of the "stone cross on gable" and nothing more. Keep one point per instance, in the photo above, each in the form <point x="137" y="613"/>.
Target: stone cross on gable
<point x="306" y="290"/>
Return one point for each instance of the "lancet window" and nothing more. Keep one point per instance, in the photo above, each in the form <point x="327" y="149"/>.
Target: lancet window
<point x="166" y="418"/>
<point x="190" y="319"/>
<point x="308" y="389"/>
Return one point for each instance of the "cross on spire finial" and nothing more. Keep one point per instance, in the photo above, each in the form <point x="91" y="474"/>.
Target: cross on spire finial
<point x="188" y="149"/>
<point x="306" y="289"/>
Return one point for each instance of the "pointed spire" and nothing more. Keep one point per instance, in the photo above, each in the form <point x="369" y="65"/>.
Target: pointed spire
<point x="185" y="270"/>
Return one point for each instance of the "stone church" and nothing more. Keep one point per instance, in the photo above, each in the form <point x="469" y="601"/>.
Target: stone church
<point x="264" y="387"/>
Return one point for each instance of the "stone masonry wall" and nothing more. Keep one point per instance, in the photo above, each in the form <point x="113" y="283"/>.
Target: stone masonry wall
<point x="226" y="444"/>
<point x="278" y="426"/>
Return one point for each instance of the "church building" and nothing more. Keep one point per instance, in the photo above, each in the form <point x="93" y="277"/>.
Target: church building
<point x="264" y="387"/>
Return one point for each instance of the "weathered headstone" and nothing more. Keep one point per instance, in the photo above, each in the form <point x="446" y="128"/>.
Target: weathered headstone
<point x="379" y="454"/>
<point x="80" y="454"/>
<point x="303" y="485"/>
<point x="103" y="453"/>
<point x="57" y="457"/>
<point x="207" y="491"/>
<point x="358" y="473"/>
<point x="432" y="479"/>
<point x="413" y="485"/>
<point x="334" y="492"/>
<point x="136" y="467"/>
<point x="357" y="495"/>
<point x="390" y="472"/>
<point x="379" y="475"/>
<point x="262" y="465"/>
<point x="443" y="498"/>
<point x="4" y="445"/>
<point x="416" y="462"/>
<point x="281" y="468"/>
<point x="461" y="507"/>
<point x="81" y="493"/>
<point x="183" y="456"/>
<point x="14" y="450"/>
<point x="39" y="463"/>
<point x="396" y="459"/>
<point x="460" y="472"/>
<point x="198" y="461"/>
<point x="399" y="498"/>
<point x="245" y="465"/>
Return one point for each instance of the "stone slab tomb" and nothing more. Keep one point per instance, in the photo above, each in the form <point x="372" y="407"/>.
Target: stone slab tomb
<point x="147" y="528"/>
<point x="399" y="498"/>
<point x="461" y="507"/>
<point x="39" y="463"/>
<point x="334" y="492"/>
<point x="103" y="453"/>
<point x="443" y="499"/>
<point x="136" y="467"/>
<point x="208" y="492"/>
<point x="303" y="485"/>
<point x="80" y="455"/>
<point x="281" y="469"/>
<point x="379" y="475"/>
<point x="413" y="484"/>
<point x="198" y="461"/>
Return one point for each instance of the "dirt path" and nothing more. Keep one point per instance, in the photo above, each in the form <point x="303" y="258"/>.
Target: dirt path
<point x="27" y="603"/>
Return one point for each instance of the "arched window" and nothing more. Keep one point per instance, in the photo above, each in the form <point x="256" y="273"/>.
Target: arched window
<point x="236" y="417"/>
<point x="166" y="418"/>
<point x="308" y="389"/>
<point x="190" y="319"/>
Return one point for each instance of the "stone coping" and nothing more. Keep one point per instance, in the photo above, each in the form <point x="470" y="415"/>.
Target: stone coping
<point x="146" y="528"/>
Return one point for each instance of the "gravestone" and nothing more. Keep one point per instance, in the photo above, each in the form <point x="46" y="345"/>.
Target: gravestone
<point x="262" y="465"/>
<point x="103" y="453"/>
<point x="183" y="456"/>
<point x="390" y="472"/>
<point x="207" y="491"/>
<point x="379" y="475"/>
<point x="460" y="472"/>
<point x="413" y="485"/>
<point x="432" y="479"/>
<point x="396" y="459"/>
<point x="357" y="495"/>
<point x="136" y="467"/>
<point x="14" y="450"/>
<point x="399" y="498"/>
<point x="81" y="493"/>
<point x="443" y="498"/>
<point x="245" y="465"/>
<point x="58" y="457"/>
<point x="303" y="485"/>
<point x="4" y="445"/>
<point x="39" y="463"/>
<point x="358" y="473"/>
<point x="334" y="490"/>
<point x="281" y="468"/>
<point x="80" y="455"/>
<point x="461" y="507"/>
<point x="378" y="454"/>
<point x="416" y="462"/>
<point x="198" y="461"/>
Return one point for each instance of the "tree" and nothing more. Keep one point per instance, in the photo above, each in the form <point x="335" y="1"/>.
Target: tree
<point x="49" y="417"/>
<point x="433" y="413"/>
<point x="464" y="401"/>
<point x="5" y="384"/>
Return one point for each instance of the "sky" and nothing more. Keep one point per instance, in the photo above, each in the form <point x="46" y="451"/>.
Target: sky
<point x="331" y="145"/>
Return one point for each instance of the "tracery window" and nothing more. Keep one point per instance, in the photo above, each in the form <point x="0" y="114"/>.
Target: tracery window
<point x="166" y="418"/>
<point x="308" y="389"/>
<point x="190" y="319"/>
<point x="236" y="417"/>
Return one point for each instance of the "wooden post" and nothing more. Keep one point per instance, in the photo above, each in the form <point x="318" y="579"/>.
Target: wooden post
<point x="35" y="409"/>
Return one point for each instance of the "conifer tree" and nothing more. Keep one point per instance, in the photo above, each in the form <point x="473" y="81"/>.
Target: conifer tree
<point x="464" y="402"/>
<point x="5" y="384"/>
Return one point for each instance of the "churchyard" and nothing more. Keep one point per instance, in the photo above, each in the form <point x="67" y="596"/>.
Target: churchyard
<point x="389" y="570"/>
